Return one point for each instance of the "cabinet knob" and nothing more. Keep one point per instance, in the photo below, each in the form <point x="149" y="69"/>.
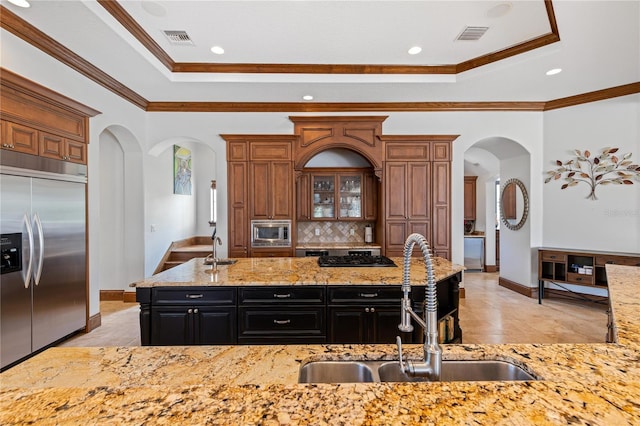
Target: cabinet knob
<point x="373" y="309"/>
<point x="195" y="311"/>
<point x="366" y="309"/>
<point x="189" y="311"/>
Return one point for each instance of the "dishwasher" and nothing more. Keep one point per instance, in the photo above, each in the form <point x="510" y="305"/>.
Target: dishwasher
<point x="474" y="253"/>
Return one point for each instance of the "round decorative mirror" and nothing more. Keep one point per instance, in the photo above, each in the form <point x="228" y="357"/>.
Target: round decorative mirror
<point x="514" y="204"/>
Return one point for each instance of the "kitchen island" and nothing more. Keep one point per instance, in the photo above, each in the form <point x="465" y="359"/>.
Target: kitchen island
<point x="290" y="301"/>
<point x="597" y="384"/>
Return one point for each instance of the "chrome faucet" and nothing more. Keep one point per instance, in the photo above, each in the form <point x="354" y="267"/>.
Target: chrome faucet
<point x="214" y="252"/>
<point x="431" y="366"/>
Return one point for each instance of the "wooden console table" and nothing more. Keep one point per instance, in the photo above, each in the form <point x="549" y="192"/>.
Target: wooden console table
<point x="578" y="267"/>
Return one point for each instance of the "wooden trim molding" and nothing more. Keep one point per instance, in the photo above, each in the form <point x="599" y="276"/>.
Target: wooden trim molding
<point x="94" y="322"/>
<point x="490" y="268"/>
<point x="518" y="288"/>
<point x="324" y="107"/>
<point x="598" y="95"/>
<point x="27" y="32"/>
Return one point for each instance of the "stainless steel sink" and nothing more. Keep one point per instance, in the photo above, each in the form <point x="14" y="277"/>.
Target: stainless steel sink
<point x="389" y="371"/>
<point x="460" y="371"/>
<point x="335" y="372"/>
<point x="209" y="261"/>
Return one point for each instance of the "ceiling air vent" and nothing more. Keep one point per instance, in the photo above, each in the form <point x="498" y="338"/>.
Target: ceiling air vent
<point x="472" y="33"/>
<point x="178" y="37"/>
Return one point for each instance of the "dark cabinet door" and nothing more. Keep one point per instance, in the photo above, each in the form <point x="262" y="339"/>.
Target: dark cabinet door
<point x="348" y="325"/>
<point x="171" y="325"/>
<point x="215" y="325"/>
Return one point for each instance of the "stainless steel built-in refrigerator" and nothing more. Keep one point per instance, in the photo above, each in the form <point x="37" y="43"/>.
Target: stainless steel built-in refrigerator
<point x="43" y="243"/>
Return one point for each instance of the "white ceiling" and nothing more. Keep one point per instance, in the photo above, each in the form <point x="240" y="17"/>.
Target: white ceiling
<point x="599" y="47"/>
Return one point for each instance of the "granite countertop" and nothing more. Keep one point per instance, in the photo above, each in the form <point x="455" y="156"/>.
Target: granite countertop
<point x="596" y="384"/>
<point x="293" y="271"/>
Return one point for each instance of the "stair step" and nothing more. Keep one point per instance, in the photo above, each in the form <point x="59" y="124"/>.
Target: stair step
<point x="187" y="255"/>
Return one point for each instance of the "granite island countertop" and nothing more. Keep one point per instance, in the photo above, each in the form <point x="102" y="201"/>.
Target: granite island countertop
<point x="293" y="271"/>
<point x="596" y="384"/>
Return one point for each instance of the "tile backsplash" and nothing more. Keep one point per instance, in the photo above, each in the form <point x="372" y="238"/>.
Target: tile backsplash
<point x="331" y="232"/>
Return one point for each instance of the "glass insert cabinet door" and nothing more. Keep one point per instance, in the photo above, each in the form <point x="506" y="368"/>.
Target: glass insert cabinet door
<point x="350" y="205"/>
<point x="337" y="196"/>
<point x="324" y="192"/>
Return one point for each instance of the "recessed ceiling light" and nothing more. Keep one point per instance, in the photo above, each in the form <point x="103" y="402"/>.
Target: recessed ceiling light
<point x="554" y="71"/>
<point x="20" y="3"/>
<point x="154" y="8"/>
<point x="217" y="50"/>
<point x="499" y="10"/>
<point x="415" y="50"/>
<point x="307" y="97"/>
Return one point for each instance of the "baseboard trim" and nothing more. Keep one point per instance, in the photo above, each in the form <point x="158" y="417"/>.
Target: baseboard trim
<point x="94" y="322"/>
<point x="518" y="288"/>
<point x="490" y="268"/>
<point x="111" y="295"/>
<point x="461" y="293"/>
<point x="118" y="296"/>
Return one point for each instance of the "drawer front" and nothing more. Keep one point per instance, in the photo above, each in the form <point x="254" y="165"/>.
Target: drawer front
<point x="280" y="295"/>
<point x="553" y="256"/>
<point x="368" y="294"/>
<point x="268" y="321"/>
<point x="583" y="279"/>
<point x="617" y="260"/>
<point x="193" y="296"/>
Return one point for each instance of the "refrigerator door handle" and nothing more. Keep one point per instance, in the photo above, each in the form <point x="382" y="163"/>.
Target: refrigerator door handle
<point x="37" y="273"/>
<point x="26" y="275"/>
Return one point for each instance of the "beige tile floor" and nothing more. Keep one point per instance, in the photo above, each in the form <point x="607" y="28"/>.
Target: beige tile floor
<point x="488" y="314"/>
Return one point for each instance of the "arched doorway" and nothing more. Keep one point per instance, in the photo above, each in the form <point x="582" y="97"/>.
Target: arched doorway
<point x="502" y="158"/>
<point x="121" y="223"/>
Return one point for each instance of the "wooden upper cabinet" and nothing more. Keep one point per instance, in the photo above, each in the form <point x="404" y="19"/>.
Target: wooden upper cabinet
<point x="470" y="197"/>
<point x="59" y="148"/>
<point x="271" y="190"/>
<point x="370" y="197"/>
<point x="408" y="190"/>
<point x="303" y="197"/>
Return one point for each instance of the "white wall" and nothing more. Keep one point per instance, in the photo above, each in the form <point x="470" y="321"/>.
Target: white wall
<point x="570" y="220"/>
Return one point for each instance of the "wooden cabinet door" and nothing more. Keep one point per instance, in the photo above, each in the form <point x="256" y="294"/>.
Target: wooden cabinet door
<point x="303" y="191"/>
<point x="470" y="197"/>
<point x="215" y="325"/>
<point x="281" y="190"/>
<point x="20" y="138"/>
<point x="418" y="190"/>
<point x="171" y="325"/>
<point x="76" y="152"/>
<point x="348" y="324"/>
<point x="396" y="234"/>
<point x="441" y="202"/>
<point x="260" y="188"/>
<point x="238" y="211"/>
<point x="396" y="186"/>
<point x="51" y="146"/>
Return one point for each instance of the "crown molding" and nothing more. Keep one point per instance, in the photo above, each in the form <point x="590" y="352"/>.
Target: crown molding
<point x="120" y="14"/>
<point x="32" y="35"/>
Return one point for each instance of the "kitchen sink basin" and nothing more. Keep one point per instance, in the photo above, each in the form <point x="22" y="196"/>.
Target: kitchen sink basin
<point x="335" y="372"/>
<point x="459" y="371"/>
<point x="389" y="371"/>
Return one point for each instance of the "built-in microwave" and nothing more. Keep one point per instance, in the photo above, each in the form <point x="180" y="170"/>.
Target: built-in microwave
<point x="270" y="233"/>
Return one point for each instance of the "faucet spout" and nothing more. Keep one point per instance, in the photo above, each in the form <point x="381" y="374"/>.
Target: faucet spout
<point x="214" y="254"/>
<point x="431" y="366"/>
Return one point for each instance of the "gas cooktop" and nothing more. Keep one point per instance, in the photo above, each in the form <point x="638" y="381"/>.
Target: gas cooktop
<point x="354" y="260"/>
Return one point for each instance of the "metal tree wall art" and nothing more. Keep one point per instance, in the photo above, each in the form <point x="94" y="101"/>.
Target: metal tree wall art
<point x="604" y="169"/>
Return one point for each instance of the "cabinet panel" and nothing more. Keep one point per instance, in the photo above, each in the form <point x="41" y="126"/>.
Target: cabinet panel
<point x="407" y="151"/>
<point x="396" y="235"/>
<point x="269" y="322"/>
<point x="238" y="209"/>
<point x="192" y="296"/>
<point x="260" y="190"/>
<point x="281" y="295"/>
<point x="51" y="146"/>
<point x="272" y="252"/>
<point x="259" y="151"/>
<point x="303" y="197"/>
<point x="171" y="325"/>
<point x="347" y="325"/>
<point x="281" y="190"/>
<point x="370" y="197"/>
